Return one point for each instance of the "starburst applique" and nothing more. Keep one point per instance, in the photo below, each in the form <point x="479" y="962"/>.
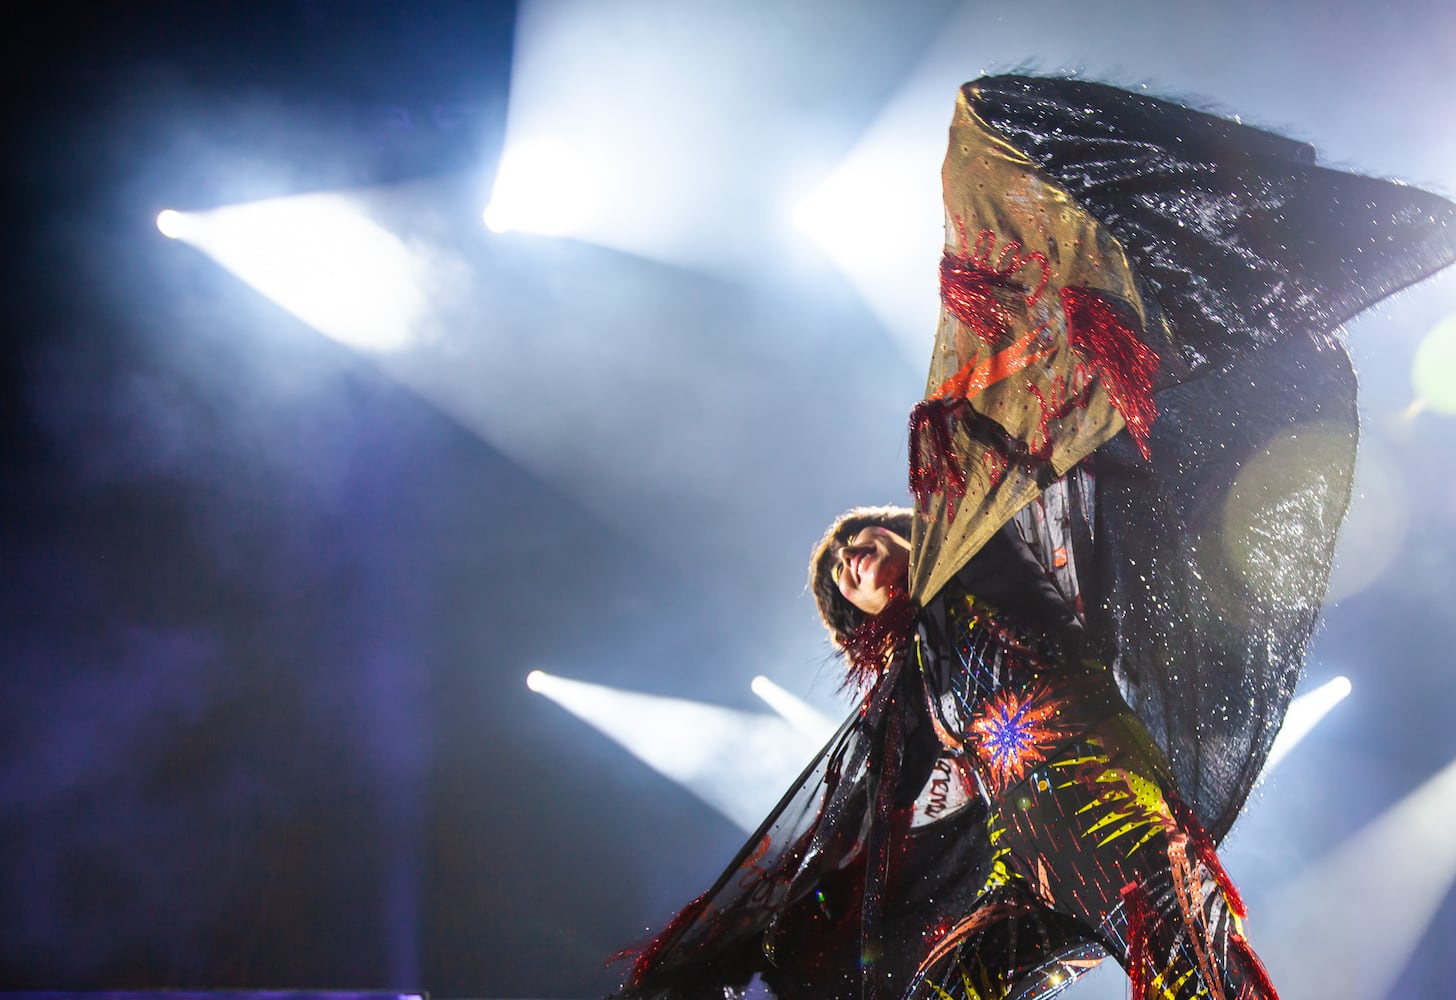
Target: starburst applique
<point x="1014" y="733"/>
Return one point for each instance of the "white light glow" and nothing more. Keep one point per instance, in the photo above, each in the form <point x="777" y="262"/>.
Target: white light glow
<point x="737" y="762"/>
<point x="535" y="679"/>
<point x="171" y="223"/>
<point x="868" y="215"/>
<point x="800" y="714"/>
<point x="1433" y="369"/>
<point x="1304" y="714"/>
<point x="1354" y="919"/>
<point x="496" y="219"/>
<point x="545" y="186"/>
<point x="322" y="258"/>
<point x="880" y="223"/>
<point x="690" y="158"/>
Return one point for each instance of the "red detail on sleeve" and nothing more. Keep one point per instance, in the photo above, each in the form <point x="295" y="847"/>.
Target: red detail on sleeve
<point x="1258" y="985"/>
<point x="1013" y="257"/>
<point x="648" y="955"/>
<point x="1113" y="352"/>
<point x="1139" y="916"/>
<point x="1041" y="445"/>
<point x="1203" y="848"/>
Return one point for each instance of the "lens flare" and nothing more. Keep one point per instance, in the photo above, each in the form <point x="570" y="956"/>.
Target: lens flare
<point x="1433" y="371"/>
<point x="1285" y="500"/>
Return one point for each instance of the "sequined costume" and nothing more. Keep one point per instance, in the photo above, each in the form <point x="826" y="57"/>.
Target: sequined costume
<point x="1091" y="848"/>
<point x="1104" y="628"/>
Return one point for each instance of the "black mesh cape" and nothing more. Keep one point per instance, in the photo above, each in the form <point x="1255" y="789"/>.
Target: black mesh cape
<point x="1212" y="557"/>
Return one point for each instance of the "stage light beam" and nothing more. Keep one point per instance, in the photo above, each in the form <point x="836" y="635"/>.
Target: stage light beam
<point x="882" y="229"/>
<point x="1304" y="714"/>
<point x="323" y="259"/>
<point x="797" y="712"/>
<point x="543" y="186"/>
<point x="1347" y="926"/>
<point x="739" y="763"/>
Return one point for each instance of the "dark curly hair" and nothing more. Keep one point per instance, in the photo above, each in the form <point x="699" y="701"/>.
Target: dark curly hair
<point x="840" y="617"/>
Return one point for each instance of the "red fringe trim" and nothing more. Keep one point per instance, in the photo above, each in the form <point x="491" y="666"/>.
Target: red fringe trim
<point x="1113" y="352"/>
<point x="1206" y="852"/>
<point x="648" y="954"/>
<point x="1258" y="986"/>
<point x="934" y="465"/>
<point x="872" y="645"/>
<point x="969" y="290"/>
<point x="1139" y="915"/>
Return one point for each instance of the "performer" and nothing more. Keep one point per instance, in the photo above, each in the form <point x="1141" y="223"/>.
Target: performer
<point x="1077" y="649"/>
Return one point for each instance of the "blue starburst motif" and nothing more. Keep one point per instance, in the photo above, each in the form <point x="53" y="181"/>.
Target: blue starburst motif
<point x="1013" y="734"/>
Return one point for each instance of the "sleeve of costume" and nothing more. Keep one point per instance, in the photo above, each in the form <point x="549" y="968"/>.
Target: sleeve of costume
<point x="790" y="905"/>
<point x="1114" y="261"/>
<point x="714" y="943"/>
